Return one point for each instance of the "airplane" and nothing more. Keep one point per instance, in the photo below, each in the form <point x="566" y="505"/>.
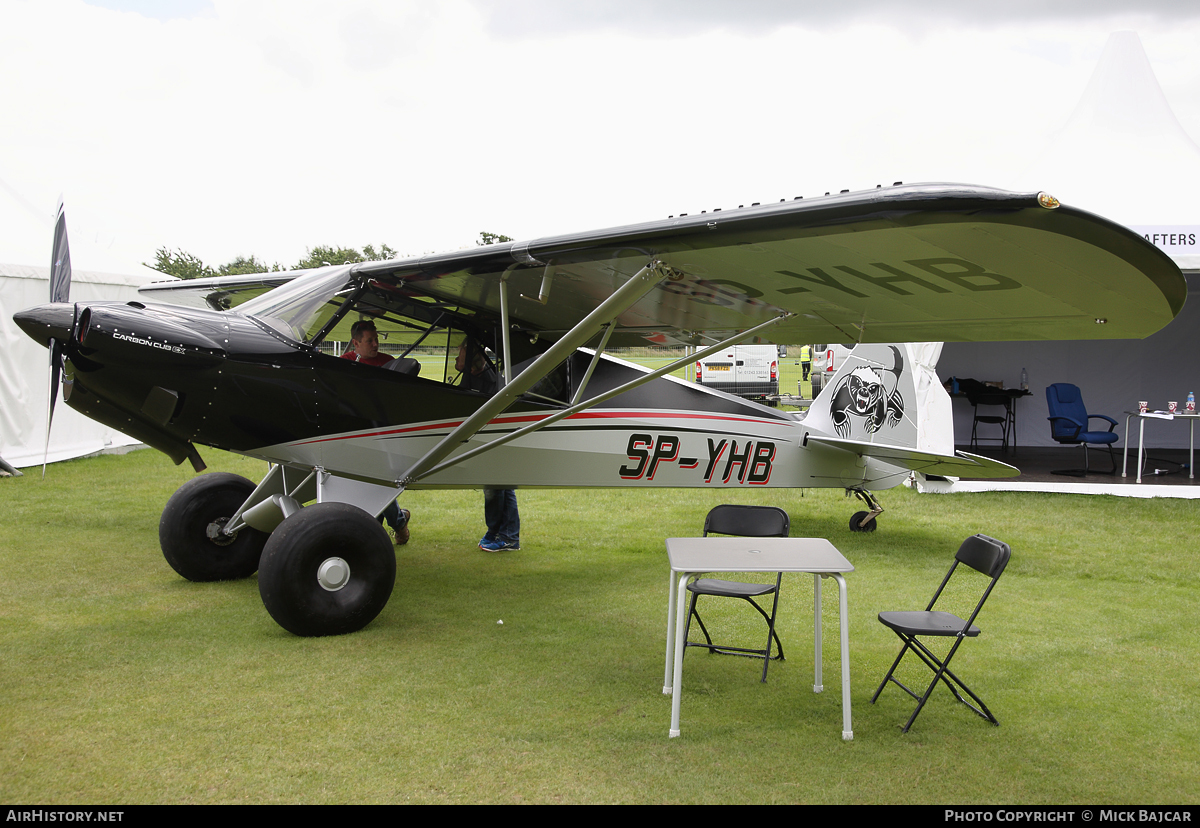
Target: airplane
<point x="237" y="363"/>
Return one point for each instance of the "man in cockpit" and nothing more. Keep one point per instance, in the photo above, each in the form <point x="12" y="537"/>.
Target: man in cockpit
<point x="364" y="344"/>
<point x="475" y="372"/>
<point x="364" y="341"/>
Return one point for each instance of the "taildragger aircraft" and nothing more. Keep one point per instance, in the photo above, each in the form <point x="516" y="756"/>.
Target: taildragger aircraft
<point x="235" y="363"/>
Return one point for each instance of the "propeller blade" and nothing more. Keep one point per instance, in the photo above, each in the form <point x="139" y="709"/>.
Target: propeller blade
<point x="60" y="291"/>
<point x="60" y="264"/>
<point x="56" y="351"/>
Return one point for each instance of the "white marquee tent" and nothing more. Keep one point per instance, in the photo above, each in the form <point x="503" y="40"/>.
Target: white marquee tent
<point x="25" y="370"/>
<point x="1122" y="155"/>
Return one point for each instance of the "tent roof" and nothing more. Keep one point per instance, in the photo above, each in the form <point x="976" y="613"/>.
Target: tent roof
<point x="1123" y="153"/>
<point x="12" y="271"/>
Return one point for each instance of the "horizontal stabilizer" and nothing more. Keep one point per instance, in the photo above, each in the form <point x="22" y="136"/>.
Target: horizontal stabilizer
<point x="217" y="292"/>
<point x="959" y="464"/>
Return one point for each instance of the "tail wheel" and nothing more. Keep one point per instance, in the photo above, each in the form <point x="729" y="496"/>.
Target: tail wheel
<point x="190" y="530"/>
<point x="856" y="523"/>
<point x="328" y="569"/>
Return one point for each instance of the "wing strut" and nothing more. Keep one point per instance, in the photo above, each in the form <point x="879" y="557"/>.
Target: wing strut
<point x="504" y="331"/>
<point x="607" y="395"/>
<point x="623" y="298"/>
<point x="587" y="375"/>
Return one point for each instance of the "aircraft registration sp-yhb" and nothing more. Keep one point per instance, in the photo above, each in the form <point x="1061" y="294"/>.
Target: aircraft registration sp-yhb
<point x="234" y="363"/>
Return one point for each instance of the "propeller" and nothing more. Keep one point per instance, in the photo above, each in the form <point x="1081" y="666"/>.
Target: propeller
<point x="60" y="291"/>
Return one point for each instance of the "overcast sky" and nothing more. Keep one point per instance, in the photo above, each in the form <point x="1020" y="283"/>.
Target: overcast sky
<point x="238" y="127"/>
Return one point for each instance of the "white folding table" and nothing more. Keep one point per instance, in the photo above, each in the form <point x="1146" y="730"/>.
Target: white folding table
<point x="692" y="556"/>
<point x="1158" y="415"/>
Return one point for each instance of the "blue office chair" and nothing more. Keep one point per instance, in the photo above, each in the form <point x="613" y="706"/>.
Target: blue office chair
<point x="1069" y="420"/>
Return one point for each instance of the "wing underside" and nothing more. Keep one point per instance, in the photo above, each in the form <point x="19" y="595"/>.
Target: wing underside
<point x="914" y="263"/>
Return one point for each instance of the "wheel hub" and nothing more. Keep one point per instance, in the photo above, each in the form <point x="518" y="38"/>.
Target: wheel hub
<point x="216" y="532"/>
<point x="333" y="574"/>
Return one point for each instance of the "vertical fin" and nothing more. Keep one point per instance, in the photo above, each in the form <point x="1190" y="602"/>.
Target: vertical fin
<point x="888" y="394"/>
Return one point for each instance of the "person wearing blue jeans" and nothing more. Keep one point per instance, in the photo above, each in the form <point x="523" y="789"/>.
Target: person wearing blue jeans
<point x="503" y="521"/>
<point x="396" y="518"/>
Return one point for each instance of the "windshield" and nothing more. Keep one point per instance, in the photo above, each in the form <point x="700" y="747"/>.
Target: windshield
<point x="299" y="308"/>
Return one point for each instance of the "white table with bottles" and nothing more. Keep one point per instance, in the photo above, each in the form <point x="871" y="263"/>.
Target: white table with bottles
<point x="1189" y="413"/>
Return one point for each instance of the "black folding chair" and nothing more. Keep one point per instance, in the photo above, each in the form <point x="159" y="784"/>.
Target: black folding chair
<point x="752" y="522"/>
<point x="983" y="554"/>
<point x="994" y="399"/>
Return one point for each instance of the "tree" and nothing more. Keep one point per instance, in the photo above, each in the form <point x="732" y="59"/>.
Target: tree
<point x="323" y="255"/>
<point x="180" y="264"/>
<point x="243" y="265"/>
<point x="184" y="265"/>
<point x="384" y="253"/>
<point x="491" y="238"/>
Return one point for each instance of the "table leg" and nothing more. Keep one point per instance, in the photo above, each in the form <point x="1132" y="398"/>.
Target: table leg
<point x="670" y="657"/>
<point x="1141" y="445"/>
<point x="844" y="621"/>
<point x="818" y="681"/>
<point x="677" y="680"/>
<point x="1011" y="413"/>
<point x="1192" y="450"/>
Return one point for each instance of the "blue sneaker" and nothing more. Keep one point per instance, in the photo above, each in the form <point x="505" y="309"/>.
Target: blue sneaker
<point x="500" y="546"/>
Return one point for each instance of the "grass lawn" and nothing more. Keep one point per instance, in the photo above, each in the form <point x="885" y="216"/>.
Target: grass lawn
<point x="123" y="683"/>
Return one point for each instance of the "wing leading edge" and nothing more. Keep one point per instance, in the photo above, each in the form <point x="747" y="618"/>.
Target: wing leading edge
<point x="933" y="262"/>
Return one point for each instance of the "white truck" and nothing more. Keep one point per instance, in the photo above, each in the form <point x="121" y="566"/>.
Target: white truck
<point x="827" y="359"/>
<point x="749" y="371"/>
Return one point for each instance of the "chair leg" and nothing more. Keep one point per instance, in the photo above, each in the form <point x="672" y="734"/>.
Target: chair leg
<point x="937" y="675"/>
<point x="771" y="632"/>
<point x="888" y="677"/>
<point x="687" y="628"/>
<point x="1087" y="466"/>
<point x="770" y="619"/>
<point x="941" y="672"/>
<point x="764" y="654"/>
<point x="1085" y="471"/>
<point x="1112" y="457"/>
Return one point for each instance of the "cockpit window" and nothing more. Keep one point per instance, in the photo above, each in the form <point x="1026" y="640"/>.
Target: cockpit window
<point x="319" y="309"/>
<point x="299" y="308"/>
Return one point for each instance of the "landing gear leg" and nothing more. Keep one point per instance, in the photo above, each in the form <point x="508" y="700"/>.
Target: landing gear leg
<point x="865" y="521"/>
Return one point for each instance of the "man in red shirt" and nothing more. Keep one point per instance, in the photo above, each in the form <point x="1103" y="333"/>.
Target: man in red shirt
<point x="364" y="341"/>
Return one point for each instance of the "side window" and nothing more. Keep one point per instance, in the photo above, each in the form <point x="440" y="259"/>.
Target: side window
<point x="474" y="366"/>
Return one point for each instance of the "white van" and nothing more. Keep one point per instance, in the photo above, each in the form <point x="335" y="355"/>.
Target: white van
<point x="827" y="359"/>
<point x="750" y="371"/>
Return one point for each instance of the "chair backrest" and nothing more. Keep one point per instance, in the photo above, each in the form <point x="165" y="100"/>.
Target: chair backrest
<point x="405" y="365"/>
<point x="988" y="398"/>
<point x="1064" y="400"/>
<point x="748" y="521"/>
<point x="984" y="554"/>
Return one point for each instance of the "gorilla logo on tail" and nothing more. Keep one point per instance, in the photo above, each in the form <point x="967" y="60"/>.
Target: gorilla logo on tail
<point x="863" y="394"/>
